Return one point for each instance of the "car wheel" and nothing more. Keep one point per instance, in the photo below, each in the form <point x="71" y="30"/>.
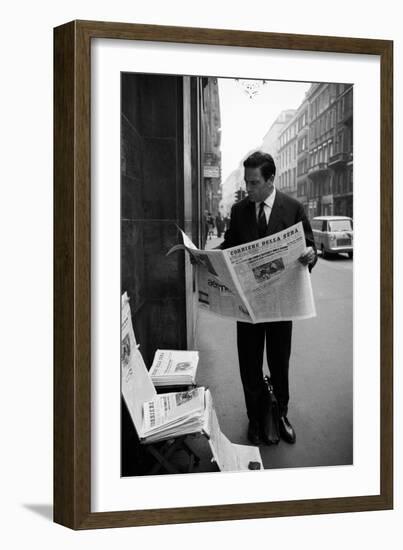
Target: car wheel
<point x="350" y="255"/>
<point x="324" y="254"/>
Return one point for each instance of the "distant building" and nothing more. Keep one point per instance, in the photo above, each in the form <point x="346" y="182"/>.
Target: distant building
<point x="302" y="118"/>
<point x="321" y="145"/>
<point x="231" y="185"/>
<point x="210" y="121"/>
<point x="270" y="143"/>
<point x="287" y="157"/>
<point x="341" y="162"/>
<point x="315" y="151"/>
<point x="330" y="188"/>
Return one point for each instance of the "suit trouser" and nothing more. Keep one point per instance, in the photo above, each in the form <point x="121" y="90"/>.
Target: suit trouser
<point x="250" y="340"/>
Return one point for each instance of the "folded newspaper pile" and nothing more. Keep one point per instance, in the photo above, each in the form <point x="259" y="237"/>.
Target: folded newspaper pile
<point x="173" y="414"/>
<point x="174" y="368"/>
<point x="170" y="415"/>
<point x="155" y="417"/>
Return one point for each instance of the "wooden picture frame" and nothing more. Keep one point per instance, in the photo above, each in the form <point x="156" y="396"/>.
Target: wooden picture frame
<point x="72" y="272"/>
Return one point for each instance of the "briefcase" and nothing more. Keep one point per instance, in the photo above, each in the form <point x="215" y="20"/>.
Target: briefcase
<point x="271" y="415"/>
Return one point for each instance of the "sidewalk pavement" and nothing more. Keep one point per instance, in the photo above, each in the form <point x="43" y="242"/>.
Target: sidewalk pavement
<point x="213" y="242"/>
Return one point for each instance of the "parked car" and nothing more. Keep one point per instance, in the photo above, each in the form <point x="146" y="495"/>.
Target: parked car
<point x="333" y="234"/>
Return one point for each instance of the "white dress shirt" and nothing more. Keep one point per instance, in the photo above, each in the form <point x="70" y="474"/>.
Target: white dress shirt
<point x="268" y="205"/>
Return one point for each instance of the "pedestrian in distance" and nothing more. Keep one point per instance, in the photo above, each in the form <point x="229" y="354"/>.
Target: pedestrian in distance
<point x="205" y="227"/>
<point x="210" y="224"/>
<point x="220" y="224"/>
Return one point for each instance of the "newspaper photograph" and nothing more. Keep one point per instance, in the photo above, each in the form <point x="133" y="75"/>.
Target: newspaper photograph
<point x="260" y="281"/>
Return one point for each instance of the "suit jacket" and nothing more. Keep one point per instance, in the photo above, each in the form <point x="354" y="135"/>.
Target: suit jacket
<point x="286" y="211"/>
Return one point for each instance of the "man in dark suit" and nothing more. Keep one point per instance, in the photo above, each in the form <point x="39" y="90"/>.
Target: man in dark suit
<point x="263" y="212"/>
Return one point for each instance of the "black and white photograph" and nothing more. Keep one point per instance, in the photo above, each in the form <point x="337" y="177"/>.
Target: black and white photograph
<point x="202" y="237"/>
<point x="230" y="162"/>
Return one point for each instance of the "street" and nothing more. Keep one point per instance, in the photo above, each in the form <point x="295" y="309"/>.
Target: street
<point x="321" y="374"/>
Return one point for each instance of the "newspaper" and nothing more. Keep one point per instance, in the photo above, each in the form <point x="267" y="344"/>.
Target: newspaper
<point x="137" y="386"/>
<point x="160" y="417"/>
<point x="230" y="457"/>
<point x="174" y="367"/>
<point x="171" y="414"/>
<point x="256" y="282"/>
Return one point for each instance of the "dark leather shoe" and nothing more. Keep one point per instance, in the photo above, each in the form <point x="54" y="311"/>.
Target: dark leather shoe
<point x="286" y="430"/>
<point x="253" y="432"/>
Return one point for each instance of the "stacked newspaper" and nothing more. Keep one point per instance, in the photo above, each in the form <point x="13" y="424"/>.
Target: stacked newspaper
<point x="174" y="368"/>
<point x="173" y="414"/>
<point x="161" y="417"/>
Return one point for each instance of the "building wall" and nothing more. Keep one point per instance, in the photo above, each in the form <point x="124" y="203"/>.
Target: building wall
<point x="315" y="151"/>
<point x="302" y="117"/>
<point x="152" y="203"/>
<point x="341" y="163"/>
<point x="210" y="122"/>
<point x="270" y="143"/>
<point x="287" y="153"/>
<point x="330" y="149"/>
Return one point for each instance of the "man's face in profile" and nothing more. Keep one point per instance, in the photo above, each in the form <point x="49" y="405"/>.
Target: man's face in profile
<point x="257" y="187"/>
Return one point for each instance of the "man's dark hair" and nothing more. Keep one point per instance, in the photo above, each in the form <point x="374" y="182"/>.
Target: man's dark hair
<point x="261" y="160"/>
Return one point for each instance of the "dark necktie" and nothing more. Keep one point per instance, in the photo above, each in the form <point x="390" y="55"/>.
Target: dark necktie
<point x="261" y="221"/>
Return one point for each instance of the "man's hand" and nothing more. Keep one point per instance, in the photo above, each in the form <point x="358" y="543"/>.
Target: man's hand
<point x="308" y="257"/>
